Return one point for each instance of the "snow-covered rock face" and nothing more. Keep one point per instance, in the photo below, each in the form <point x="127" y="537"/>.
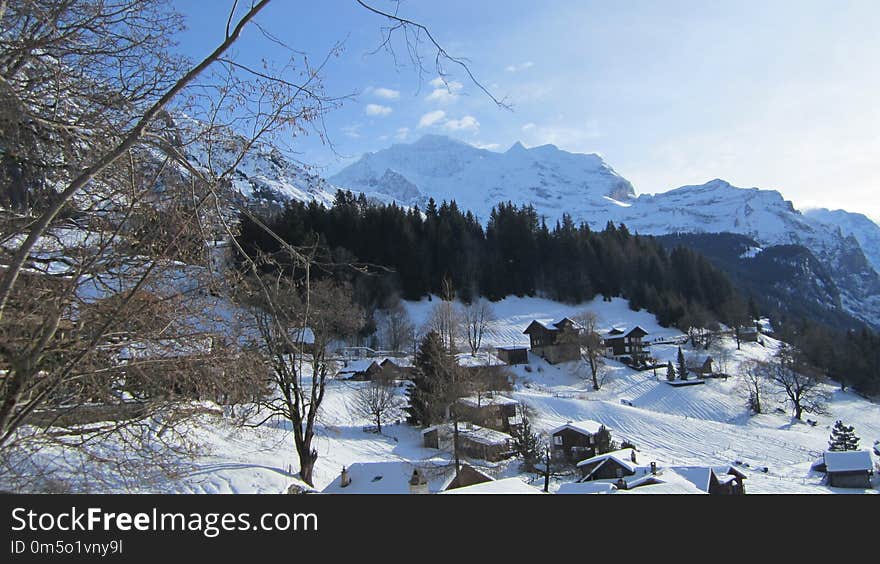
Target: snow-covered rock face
<point x="865" y="231"/>
<point x="436" y="166"/>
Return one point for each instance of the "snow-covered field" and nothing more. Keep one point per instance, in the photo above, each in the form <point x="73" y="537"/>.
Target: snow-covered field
<point x="696" y="425"/>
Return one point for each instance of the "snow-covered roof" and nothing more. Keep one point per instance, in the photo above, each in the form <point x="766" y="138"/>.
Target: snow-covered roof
<point x="848" y="461"/>
<point x="622" y="457"/>
<point x="617" y="332"/>
<point x="495" y="399"/>
<point x="700" y="476"/>
<point x="398" y="361"/>
<point x="482" y="358"/>
<point x="504" y="486"/>
<point x="587" y="488"/>
<point x="475" y="433"/>
<point x="669" y="482"/>
<point x="354" y="366"/>
<point x="587" y="426"/>
<point x="553" y="325"/>
<point x="390" y="477"/>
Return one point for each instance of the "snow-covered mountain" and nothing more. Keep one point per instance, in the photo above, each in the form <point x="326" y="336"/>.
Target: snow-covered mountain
<point x="587" y="188"/>
<point x="435" y="166"/>
<point x="866" y="232"/>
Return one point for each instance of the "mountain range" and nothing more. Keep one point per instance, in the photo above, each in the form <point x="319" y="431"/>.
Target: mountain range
<point x="845" y="245"/>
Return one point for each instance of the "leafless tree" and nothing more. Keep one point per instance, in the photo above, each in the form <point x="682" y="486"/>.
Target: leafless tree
<point x="755" y="381"/>
<point x="282" y="310"/>
<point x="802" y="385"/>
<point x="397" y="328"/>
<point x="589" y="341"/>
<point x="378" y="401"/>
<point x="476" y="317"/>
<point x="445" y="319"/>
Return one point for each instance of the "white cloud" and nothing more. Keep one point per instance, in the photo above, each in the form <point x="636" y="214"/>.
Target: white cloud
<point x="352" y="130"/>
<point x="386" y="93"/>
<point x="520" y="67"/>
<point x="377" y="110"/>
<point x="431" y="118"/>
<point x="528" y="126"/>
<point x="467" y="123"/>
<point x="444" y="92"/>
<point x="402" y="133"/>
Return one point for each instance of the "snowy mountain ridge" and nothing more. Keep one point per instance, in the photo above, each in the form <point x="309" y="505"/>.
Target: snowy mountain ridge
<point x="587" y="188"/>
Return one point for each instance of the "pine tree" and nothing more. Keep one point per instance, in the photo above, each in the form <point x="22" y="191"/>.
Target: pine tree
<point x="670" y="371"/>
<point x="432" y="372"/>
<point x="527" y="444"/>
<point x="602" y="440"/>
<point x="682" y="367"/>
<point x="843" y="438"/>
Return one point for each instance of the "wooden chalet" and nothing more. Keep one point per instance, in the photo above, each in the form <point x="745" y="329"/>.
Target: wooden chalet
<point x="575" y="440"/>
<point x="554" y="342"/>
<point x="397" y="368"/>
<point x="627" y="346"/>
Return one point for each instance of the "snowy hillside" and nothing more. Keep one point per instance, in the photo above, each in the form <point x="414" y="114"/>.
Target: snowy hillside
<point x="698" y="425"/>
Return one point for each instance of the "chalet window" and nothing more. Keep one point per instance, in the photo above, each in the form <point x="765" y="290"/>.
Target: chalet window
<point x="557" y="440"/>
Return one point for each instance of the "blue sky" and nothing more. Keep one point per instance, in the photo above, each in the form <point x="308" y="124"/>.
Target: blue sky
<point x="775" y="94"/>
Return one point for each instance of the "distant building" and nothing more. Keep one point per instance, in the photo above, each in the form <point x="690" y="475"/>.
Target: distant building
<point x="555" y="342"/>
<point x="620" y="468"/>
<point x="492" y="410"/>
<point x="575" y="440"/>
<point x="627" y="346"/>
<point x="362" y="369"/>
<point x="715" y="480"/>
<point x="700" y="365"/>
<point x="514" y="355"/>
<point x="849" y="469"/>
<point x="397" y="368"/>
<point x="467" y="476"/>
<point x="473" y="441"/>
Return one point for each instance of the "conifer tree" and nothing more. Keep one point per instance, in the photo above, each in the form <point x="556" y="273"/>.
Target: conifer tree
<point x="527" y="444"/>
<point x="433" y="369"/>
<point x="843" y="438"/>
<point x="602" y="440"/>
<point x="670" y="371"/>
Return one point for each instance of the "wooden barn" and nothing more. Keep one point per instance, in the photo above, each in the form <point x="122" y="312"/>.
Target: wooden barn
<point x="473" y="441"/>
<point x="554" y="342"/>
<point x="849" y="469"/>
<point x="514" y="355"/>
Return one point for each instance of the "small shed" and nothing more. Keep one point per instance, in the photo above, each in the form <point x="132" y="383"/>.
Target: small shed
<point x="849" y="469"/>
<point x="514" y="355"/>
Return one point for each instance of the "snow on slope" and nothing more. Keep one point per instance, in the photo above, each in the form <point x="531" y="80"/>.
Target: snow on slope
<point x="699" y="425"/>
